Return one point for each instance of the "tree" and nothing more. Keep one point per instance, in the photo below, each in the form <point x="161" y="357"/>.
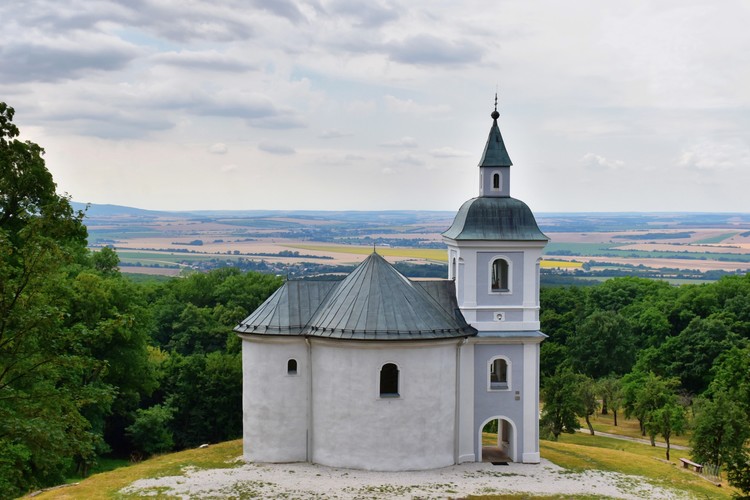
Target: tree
<point x="721" y="429"/>
<point x="667" y="420"/>
<point x="602" y="345"/>
<point x="587" y="390"/>
<point x="150" y="432"/>
<point x="562" y="403"/>
<point x="738" y="473"/>
<point x="653" y="395"/>
<point x="691" y="354"/>
<point x="42" y="388"/>
<point x="610" y="389"/>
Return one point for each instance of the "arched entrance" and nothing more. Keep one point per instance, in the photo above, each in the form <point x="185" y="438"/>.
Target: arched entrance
<point x="497" y="440"/>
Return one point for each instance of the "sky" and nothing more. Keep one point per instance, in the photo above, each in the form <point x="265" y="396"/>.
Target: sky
<point x="627" y="106"/>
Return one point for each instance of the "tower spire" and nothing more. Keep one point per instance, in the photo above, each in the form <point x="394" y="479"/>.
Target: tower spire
<point x="495" y="154"/>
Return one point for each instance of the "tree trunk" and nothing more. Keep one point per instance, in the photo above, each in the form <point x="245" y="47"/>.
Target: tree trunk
<point x="667" y="440"/>
<point x="591" y="428"/>
<point x="604" y="405"/>
<point x="614" y="412"/>
<point x="653" y="440"/>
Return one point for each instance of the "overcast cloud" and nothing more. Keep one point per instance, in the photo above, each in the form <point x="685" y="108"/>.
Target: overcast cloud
<point x="337" y="104"/>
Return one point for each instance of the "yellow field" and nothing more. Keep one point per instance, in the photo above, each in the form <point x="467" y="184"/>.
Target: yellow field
<point x="435" y="254"/>
<point x="560" y="264"/>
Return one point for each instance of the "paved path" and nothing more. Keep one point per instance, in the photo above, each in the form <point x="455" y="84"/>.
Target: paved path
<point x="635" y="440"/>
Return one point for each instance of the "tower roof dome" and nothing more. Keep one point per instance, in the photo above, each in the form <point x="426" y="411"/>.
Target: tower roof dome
<point x="489" y="218"/>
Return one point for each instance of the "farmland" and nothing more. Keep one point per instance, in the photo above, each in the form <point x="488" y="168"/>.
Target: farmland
<point x="582" y="246"/>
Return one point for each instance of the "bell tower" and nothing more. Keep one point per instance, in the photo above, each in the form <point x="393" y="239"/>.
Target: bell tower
<point x="494" y="252"/>
<point x="494" y="249"/>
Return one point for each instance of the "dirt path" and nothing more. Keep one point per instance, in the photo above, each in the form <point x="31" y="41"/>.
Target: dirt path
<point x="635" y="440"/>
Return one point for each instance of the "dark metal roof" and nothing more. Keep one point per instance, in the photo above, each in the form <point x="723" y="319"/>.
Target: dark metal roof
<point x="375" y="302"/>
<point x="495" y="154"/>
<point x="495" y="218"/>
<point x="288" y="310"/>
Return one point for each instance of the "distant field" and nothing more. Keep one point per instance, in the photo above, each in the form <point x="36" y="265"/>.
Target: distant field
<point x="717" y="239"/>
<point x="435" y="254"/>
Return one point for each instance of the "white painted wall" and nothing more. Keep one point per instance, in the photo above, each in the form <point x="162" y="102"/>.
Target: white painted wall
<point x="274" y="403"/>
<point x="354" y="427"/>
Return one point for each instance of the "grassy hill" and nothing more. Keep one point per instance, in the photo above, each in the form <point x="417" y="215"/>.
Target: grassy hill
<point x="576" y="453"/>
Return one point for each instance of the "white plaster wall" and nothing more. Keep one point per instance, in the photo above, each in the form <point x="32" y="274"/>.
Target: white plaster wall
<point x="274" y="403"/>
<point x="354" y="427"/>
<point x="466" y="452"/>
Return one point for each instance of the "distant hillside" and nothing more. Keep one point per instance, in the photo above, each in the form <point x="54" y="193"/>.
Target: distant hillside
<point x="94" y="210"/>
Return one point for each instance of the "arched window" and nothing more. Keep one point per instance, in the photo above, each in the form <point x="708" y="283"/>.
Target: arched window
<point x="453" y="268"/>
<point x="389" y="381"/>
<point x="496" y="181"/>
<point x="498" y="375"/>
<point x="291" y="367"/>
<point x="500" y="275"/>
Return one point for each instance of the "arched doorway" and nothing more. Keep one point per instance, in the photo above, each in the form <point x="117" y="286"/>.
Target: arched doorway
<point x="497" y="440"/>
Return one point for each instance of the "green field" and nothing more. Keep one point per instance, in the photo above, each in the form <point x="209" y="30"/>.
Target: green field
<point x="715" y="239"/>
<point x="610" y="250"/>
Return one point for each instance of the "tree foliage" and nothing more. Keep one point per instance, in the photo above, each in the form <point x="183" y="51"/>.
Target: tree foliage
<point x="562" y="403"/>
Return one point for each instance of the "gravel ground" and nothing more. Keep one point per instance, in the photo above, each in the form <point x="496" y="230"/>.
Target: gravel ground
<point x="303" y="480"/>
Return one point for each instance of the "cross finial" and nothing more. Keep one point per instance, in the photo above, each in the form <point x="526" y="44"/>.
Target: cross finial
<point x="495" y="115"/>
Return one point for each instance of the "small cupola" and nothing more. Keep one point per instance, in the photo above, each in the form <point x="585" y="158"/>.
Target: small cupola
<point x="494" y="167"/>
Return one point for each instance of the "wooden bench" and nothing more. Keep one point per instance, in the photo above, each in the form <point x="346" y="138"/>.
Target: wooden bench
<point x="688" y="463"/>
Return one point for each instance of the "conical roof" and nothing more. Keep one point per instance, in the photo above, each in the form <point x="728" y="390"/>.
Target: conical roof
<point x="495" y="154"/>
<point x="376" y="302"/>
<point x="288" y="310"/>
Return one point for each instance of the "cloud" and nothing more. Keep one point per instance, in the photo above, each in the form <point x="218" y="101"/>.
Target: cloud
<point x="229" y="168"/>
<point x="404" y="142"/>
<point x="430" y="50"/>
<point x="708" y="155"/>
<point x="282" y="8"/>
<point x="218" y="148"/>
<point x="369" y="14"/>
<point x="408" y="159"/>
<point x="275" y="148"/>
<point x="447" y="152"/>
<point x="333" y="134"/>
<point x="207" y="59"/>
<point x="593" y="160"/>
<point x="355" y="107"/>
<point x="396" y="105"/>
<point x="54" y="59"/>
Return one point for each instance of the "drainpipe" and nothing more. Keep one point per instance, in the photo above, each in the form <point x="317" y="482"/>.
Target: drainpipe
<point x="457" y="416"/>
<point x="309" y="450"/>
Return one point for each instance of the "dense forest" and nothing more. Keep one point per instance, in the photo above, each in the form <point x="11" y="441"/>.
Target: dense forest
<point x="93" y="364"/>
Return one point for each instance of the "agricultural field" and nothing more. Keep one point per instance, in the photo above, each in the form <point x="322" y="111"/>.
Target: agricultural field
<point x="677" y="247"/>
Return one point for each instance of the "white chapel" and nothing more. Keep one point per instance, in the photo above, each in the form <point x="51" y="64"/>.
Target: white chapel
<point x="381" y="372"/>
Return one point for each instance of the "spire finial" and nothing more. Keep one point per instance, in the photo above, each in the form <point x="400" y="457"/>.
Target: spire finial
<point x="495" y="115"/>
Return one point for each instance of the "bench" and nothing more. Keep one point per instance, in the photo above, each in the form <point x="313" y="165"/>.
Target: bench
<point x="688" y="463"/>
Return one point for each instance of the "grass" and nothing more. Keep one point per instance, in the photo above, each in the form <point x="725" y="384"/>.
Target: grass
<point x="574" y="452"/>
<point x="627" y="427"/>
<point x="579" y="452"/>
<point x="107" y="484"/>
